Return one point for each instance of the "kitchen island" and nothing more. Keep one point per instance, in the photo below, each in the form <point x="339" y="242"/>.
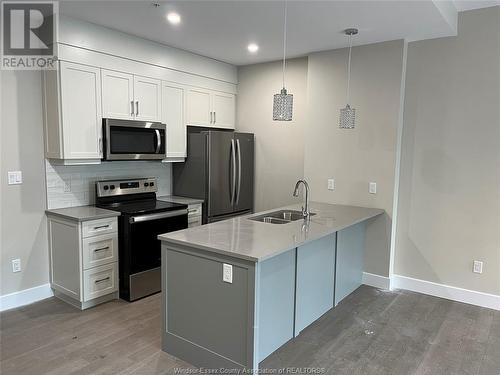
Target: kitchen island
<point x="237" y="290"/>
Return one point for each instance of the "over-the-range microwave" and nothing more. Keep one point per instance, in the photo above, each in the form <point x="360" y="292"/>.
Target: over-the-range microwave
<point x="133" y="140"/>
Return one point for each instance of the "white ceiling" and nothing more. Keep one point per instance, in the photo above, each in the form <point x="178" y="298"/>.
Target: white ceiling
<point x="222" y="29"/>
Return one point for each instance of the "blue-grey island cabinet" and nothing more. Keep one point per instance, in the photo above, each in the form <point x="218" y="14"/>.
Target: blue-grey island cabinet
<point x="235" y="291"/>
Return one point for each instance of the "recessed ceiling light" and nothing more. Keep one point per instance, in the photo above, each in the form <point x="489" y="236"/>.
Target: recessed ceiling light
<point x="174" y="18"/>
<point x="252" y="47"/>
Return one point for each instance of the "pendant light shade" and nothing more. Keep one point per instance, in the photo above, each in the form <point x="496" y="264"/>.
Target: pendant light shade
<point x="283" y="106"/>
<point x="283" y="102"/>
<point x="347" y="114"/>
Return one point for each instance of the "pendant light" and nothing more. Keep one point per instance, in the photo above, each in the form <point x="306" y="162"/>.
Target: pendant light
<point x="348" y="114"/>
<point x="283" y="102"/>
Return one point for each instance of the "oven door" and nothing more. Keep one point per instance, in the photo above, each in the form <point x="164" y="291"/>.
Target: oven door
<point x="134" y="140"/>
<point x="145" y="248"/>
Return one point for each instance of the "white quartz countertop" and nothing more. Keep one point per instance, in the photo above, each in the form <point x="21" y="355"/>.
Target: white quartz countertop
<point x="179" y="199"/>
<point x="256" y="241"/>
<point x="82" y="213"/>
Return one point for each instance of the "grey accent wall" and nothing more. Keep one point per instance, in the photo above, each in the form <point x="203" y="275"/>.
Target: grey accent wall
<point x="23" y="223"/>
<point x="357" y="156"/>
<point x="449" y="201"/>
<point x="279" y="146"/>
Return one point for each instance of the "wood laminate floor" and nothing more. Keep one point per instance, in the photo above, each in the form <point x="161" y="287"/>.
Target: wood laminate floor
<point x="371" y="332"/>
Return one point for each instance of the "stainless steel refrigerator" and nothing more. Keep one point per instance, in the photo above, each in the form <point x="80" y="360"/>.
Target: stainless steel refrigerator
<point x="220" y="170"/>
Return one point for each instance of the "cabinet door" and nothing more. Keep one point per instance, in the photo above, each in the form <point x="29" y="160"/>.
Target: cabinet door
<point x="117" y="95"/>
<point x="81" y="111"/>
<point x="223" y="106"/>
<point x="173" y="116"/>
<point x="198" y="107"/>
<point x="147" y="97"/>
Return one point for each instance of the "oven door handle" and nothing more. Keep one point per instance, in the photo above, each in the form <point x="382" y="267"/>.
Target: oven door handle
<point x="160" y="215"/>
<point x="158" y="141"/>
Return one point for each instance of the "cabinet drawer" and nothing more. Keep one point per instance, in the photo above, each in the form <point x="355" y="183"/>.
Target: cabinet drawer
<point x="194" y="221"/>
<point x="98" y="227"/>
<point x="100" y="281"/>
<point x="194" y="210"/>
<point x="99" y="250"/>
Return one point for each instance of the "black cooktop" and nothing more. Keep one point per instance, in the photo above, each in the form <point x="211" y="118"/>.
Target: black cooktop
<point x="143" y="206"/>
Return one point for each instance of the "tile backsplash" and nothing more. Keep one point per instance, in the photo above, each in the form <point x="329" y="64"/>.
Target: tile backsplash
<point x="69" y="186"/>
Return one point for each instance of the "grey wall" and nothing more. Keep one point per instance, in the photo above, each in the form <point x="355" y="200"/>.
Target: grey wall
<point x="449" y="201"/>
<point x="23" y="225"/>
<point x="279" y="146"/>
<point x="357" y="156"/>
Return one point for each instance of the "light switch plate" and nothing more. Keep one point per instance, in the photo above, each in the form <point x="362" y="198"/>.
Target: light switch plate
<point x="477" y="267"/>
<point x="331" y="184"/>
<point x="227" y="273"/>
<point x="372" y="188"/>
<point x="16" y="265"/>
<point x="15" y="177"/>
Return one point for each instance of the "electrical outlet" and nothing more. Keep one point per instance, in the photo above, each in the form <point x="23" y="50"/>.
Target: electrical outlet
<point x="372" y="188"/>
<point x="331" y="184"/>
<point x="15" y="177"/>
<point x="67" y="186"/>
<point x="477" y="267"/>
<point x="16" y="265"/>
<point x="227" y="273"/>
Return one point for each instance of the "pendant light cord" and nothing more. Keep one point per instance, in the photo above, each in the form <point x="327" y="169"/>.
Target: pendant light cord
<point x="284" y="42"/>
<point x="349" y="71"/>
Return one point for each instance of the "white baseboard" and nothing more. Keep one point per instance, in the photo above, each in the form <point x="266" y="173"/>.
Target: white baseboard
<point x="471" y="297"/>
<point x="376" y="281"/>
<point x="25" y="297"/>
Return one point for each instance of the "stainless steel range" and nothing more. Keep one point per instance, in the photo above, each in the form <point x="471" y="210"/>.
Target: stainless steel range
<point x="142" y="219"/>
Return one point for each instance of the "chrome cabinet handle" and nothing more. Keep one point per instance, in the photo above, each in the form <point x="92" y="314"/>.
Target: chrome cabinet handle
<point x="101" y="280"/>
<point x="239" y="171"/>
<point x="101" y="249"/>
<point x="137" y="108"/>
<point x="132" y="107"/>
<point x="100" y="146"/>
<point x="101" y="227"/>
<point x="211" y="117"/>
<point x="158" y="141"/>
<point x="233" y="187"/>
<point x="215" y="117"/>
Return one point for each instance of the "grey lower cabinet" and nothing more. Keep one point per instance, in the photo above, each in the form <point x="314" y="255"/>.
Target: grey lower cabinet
<point x="83" y="260"/>
<point x="213" y="324"/>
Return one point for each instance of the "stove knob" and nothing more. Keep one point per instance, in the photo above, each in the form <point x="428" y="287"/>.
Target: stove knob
<point x="146" y="184"/>
<point x="112" y="187"/>
<point x="151" y="184"/>
<point x="106" y="187"/>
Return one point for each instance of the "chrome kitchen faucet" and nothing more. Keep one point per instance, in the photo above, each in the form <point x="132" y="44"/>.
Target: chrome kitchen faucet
<point x="305" y="207"/>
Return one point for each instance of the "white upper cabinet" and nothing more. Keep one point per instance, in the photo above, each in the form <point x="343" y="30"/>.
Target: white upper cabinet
<point x="130" y="97"/>
<point x="210" y="108"/>
<point x="198" y="107"/>
<point x="223" y="108"/>
<point x="173" y="115"/>
<point x="117" y="95"/>
<point x="72" y="99"/>
<point x="147" y="97"/>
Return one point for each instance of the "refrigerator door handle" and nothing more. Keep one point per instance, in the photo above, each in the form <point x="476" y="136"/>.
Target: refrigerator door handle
<point x="238" y="148"/>
<point x="233" y="185"/>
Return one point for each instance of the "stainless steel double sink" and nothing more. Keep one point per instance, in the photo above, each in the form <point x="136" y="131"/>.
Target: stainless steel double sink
<point x="280" y="217"/>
